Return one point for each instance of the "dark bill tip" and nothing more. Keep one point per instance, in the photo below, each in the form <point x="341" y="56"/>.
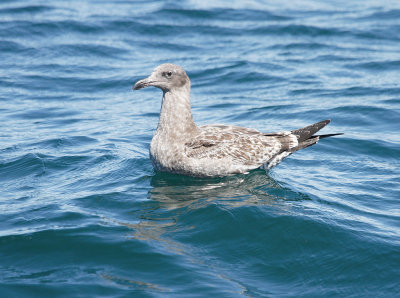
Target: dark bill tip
<point x="140" y="84"/>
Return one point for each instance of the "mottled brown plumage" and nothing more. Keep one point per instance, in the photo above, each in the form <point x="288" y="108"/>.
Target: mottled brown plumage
<point x="180" y="146"/>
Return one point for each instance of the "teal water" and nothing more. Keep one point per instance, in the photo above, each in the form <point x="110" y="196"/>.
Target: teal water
<point x="82" y="212"/>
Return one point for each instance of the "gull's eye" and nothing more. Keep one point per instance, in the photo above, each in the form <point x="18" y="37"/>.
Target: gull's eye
<point x="169" y="74"/>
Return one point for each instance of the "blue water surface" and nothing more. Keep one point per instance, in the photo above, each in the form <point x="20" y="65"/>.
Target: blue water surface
<point x="82" y="212"/>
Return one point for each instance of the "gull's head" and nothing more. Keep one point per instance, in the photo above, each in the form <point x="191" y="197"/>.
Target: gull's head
<point x="166" y="77"/>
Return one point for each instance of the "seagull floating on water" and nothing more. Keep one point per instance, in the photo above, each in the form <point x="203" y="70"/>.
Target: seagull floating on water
<point x="180" y="146"/>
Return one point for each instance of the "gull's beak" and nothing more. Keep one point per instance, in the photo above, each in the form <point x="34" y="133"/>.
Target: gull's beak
<point x="144" y="83"/>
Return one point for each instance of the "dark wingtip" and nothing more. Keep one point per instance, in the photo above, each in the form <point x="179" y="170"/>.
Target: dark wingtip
<point x="329" y="135"/>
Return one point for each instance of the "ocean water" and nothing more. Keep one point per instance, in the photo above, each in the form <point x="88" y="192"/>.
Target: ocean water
<point x="82" y="212"/>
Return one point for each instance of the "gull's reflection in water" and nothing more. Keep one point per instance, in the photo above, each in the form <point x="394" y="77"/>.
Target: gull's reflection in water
<point x="165" y="218"/>
<point x="255" y="188"/>
<point x="171" y="196"/>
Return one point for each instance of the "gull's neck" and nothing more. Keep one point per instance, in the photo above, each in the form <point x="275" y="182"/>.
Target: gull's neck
<point x="176" y="118"/>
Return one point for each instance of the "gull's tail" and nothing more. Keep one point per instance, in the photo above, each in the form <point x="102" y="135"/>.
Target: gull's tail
<point x="306" y="135"/>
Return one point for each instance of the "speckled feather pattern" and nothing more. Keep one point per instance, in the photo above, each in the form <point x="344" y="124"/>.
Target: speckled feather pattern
<point x="180" y="146"/>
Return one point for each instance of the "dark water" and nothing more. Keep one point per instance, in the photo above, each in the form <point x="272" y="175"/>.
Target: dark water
<point x="83" y="214"/>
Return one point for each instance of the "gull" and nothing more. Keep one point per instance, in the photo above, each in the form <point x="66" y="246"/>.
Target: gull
<point x="180" y="146"/>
